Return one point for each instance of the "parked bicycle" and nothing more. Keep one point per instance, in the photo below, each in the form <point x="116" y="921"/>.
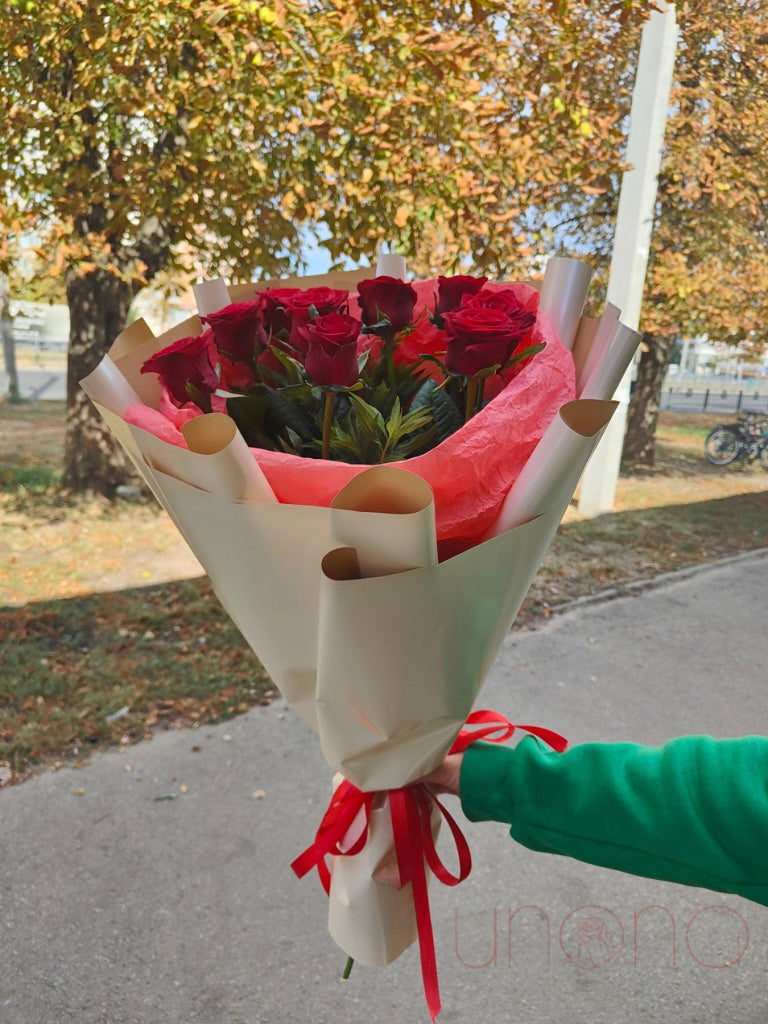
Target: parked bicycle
<point x="746" y="440"/>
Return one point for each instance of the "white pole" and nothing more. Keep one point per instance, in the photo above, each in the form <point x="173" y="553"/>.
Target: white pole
<point x="632" y="237"/>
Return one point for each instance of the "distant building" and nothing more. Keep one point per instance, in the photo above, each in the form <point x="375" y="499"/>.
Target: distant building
<point x="39" y="324"/>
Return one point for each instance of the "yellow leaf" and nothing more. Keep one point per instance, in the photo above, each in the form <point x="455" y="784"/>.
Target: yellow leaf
<point x="401" y="217"/>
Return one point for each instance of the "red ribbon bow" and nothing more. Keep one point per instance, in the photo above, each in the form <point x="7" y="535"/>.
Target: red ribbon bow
<point x="411" y="810"/>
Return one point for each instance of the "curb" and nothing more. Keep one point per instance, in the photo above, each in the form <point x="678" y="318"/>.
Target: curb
<point x="638" y="587"/>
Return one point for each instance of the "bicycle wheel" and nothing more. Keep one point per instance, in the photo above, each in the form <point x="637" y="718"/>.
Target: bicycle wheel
<point x="721" y="446"/>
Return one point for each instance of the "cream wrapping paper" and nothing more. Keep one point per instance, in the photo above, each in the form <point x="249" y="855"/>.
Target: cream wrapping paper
<point x="599" y="344"/>
<point x="379" y="648"/>
<point x="553" y="470"/>
<point x="366" y="887"/>
<point x="605" y="376"/>
<point x="398" y="530"/>
<point x="563" y="293"/>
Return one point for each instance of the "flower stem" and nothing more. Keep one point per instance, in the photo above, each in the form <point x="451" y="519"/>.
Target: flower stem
<point x="480" y="388"/>
<point x="389" y="355"/>
<point x="348" y="968"/>
<point x="469" y="408"/>
<point x="330" y="397"/>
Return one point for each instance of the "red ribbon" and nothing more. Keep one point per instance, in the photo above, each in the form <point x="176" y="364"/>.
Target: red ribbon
<point x="498" y="729"/>
<point x="411" y="811"/>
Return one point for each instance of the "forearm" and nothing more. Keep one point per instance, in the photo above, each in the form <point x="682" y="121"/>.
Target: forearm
<point x="694" y="811"/>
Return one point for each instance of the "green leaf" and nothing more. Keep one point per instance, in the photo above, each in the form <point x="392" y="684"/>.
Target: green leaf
<point x="250" y="413"/>
<point x="294" y="372"/>
<point x="368" y="418"/>
<point x="285" y="412"/>
<point x="423" y="397"/>
<point x="395" y="420"/>
<point x="524" y="354"/>
<point x="292" y="443"/>
<point x="447" y="417"/>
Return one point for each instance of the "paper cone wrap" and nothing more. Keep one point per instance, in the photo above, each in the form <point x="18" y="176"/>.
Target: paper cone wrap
<point x="378" y="646"/>
<point x="563" y="294"/>
<point x="370" y="914"/>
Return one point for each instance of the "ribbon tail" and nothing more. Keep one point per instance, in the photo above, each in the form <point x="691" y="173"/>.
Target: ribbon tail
<point x="552" y="739"/>
<point x="407" y="826"/>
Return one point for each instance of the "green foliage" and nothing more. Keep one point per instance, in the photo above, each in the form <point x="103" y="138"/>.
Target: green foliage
<point x="446" y="416"/>
<point x="21" y="481"/>
<point x="366" y="430"/>
<point x="365" y="437"/>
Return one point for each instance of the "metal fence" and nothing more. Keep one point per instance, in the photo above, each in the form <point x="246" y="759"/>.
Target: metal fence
<point x="714" y="399"/>
<point x="38" y="345"/>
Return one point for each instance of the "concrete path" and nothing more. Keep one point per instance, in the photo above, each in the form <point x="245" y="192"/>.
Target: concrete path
<point x="38" y="383"/>
<point x="153" y="887"/>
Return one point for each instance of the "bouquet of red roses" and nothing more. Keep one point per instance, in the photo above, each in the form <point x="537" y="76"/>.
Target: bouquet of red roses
<point x="359" y="378"/>
<point x="376" y="595"/>
<point x="423" y="375"/>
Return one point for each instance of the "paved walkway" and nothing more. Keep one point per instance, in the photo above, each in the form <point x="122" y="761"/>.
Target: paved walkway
<point x="153" y="887"/>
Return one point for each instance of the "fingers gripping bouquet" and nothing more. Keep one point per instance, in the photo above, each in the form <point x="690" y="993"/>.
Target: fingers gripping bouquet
<point x="370" y="479"/>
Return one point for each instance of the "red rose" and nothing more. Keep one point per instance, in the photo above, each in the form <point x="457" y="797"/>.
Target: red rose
<point x="451" y="290"/>
<point x="324" y="300"/>
<point x="480" y="337"/>
<point x="331" y="342"/>
<point x="276" y="315"/>
<point x="387" y="298"/>
<point x="186" y="370"/>
<point x="506" y="300"/>
<point x="234" y="376"/>
<point x="238" y="330"/>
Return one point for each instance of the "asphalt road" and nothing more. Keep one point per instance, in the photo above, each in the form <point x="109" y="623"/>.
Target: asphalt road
<point x="34" y="383"/>
<point x="153" y="887"/>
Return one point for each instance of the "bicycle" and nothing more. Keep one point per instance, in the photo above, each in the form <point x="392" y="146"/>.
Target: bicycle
<point x="746" y="440"/>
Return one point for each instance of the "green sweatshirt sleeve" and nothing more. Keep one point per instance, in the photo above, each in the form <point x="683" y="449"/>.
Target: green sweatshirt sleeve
<point x="694" y="811"/>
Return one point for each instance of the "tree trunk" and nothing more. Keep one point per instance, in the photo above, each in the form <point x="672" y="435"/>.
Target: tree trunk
<point x="640" y="438"/>
<point x="9" y="357"/>
<point x="98" y="308"/>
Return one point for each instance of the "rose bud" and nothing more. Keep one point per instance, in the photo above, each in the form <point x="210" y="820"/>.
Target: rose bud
<point x="324" y="300"/>
<point x="451" y="290"/>
<point x="387" y="298"/>
<point x="331" y="342"/>
<point x="186" y="370"/>
<point x="276" y="315"/>
<point x="506" y="300"/>
<point x="478" y="338"/>
<point x="238" y="330"/>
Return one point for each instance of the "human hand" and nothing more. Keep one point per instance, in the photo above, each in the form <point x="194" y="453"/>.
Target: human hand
<point x="445" y="778"/>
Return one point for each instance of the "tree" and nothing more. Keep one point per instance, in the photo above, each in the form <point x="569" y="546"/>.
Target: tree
<point x="708" y="272"/>
<point x="9" y="348"/>
<point x="131" y="126"/>
<point x="227" y="125"/>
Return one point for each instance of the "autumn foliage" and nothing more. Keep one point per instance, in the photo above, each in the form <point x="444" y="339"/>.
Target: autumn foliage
<point x="708" y="271"/>
<point x="144" y="133"/>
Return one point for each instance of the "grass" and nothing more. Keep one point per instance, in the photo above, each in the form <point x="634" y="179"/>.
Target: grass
<point x="108" y="630"/>
<point x="80" y="673"/>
